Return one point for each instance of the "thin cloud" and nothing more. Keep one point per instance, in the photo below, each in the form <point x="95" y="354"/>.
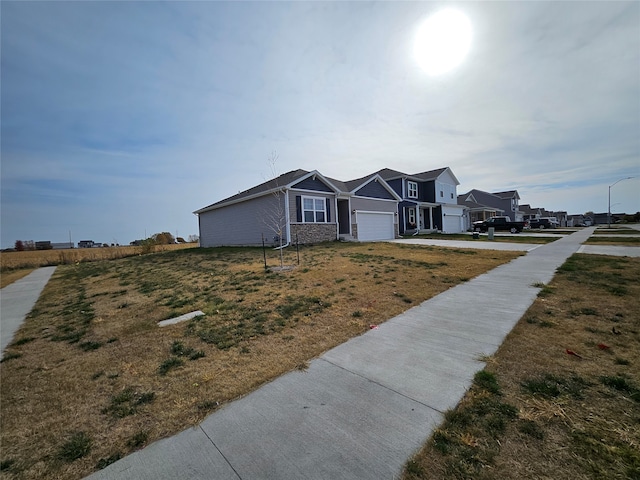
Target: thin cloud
<point x="123" y="117"/>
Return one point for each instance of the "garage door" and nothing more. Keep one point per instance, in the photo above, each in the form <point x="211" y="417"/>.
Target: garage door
<point x="375" y="226"/>
<point x="452" y="224"/>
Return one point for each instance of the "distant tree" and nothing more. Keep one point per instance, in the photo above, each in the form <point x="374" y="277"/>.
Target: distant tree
<point x="164" y="238"/>
<point x="193" y="238"/>
<point x="19" y="246"/>
<point x="29" y="245"/>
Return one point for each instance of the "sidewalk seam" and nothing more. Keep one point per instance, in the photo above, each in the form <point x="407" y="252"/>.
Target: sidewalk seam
<point x="381" y="385"/>
<point x="220" y="451"/>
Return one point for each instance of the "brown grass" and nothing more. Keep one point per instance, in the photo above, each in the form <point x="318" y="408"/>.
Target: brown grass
<point x="259" y="325"/>
<point x="41" y="258"/>
<point x="621" y="241"/>
<point x="588" y="427"/>
<point x="8" y="277"/>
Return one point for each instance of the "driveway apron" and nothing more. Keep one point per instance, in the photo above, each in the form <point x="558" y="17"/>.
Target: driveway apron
<point x="363" y="408"/>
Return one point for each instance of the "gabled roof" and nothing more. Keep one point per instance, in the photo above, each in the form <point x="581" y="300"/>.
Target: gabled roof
<point x="508" y="194"/>
<point x="353" y="186"/>
<point x="472" y="205"/>
<point x="431" y="174"/>
<point x="264" y="188"/>
<point x="388" y="174"/>
<point x="528" y="210"/>
<point x="481" y="198"/>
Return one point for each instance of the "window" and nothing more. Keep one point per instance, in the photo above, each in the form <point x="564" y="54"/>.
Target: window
<point x="413" y="189"/>
<point x="314" y="210"/>
<point x="411" y="217"/>
<point x="441" y="193"/>
<point x="452" y="195"/>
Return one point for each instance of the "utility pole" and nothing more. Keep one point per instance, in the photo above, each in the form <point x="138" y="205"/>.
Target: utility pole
<point x="609" y="209"/>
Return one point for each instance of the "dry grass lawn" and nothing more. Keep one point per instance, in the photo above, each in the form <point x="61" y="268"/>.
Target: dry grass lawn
<point x="90" y="377"/>
<point x="11" y="276"/>
<point x="621" y="241"/>
<point x="561" y="397"/>
<point x="10" y="261"/>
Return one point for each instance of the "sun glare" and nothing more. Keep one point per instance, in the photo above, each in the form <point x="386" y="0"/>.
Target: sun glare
<point x="442" y="41"/>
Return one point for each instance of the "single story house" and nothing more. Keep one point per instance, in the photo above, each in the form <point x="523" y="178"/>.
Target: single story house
<point x="305" y="207"/>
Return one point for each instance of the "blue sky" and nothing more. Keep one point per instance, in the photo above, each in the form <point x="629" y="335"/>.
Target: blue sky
<point x="122" y="118"/>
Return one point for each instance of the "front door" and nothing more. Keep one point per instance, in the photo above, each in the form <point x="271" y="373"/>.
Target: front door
<point x="344" y="218"/>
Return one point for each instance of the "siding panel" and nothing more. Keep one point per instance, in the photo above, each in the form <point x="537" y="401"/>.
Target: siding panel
<point x="239" y="224"/>
<point x="375" y="190"/>
<point x="311" y="184"/>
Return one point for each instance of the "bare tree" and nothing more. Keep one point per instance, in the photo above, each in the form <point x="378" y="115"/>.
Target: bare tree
<point x="275" y="216"/>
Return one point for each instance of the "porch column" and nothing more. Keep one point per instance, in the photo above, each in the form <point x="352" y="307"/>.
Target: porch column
<point x="418" y="225"/>
<point x="431" y="218"/>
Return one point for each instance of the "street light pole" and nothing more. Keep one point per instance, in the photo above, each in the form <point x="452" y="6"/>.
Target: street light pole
<point x="609" y="214"/>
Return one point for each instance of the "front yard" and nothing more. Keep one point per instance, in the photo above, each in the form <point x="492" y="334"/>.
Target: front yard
<point x="90" y="377"/>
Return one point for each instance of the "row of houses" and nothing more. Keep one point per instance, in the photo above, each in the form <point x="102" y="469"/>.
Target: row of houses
<point x="308" y="207"/>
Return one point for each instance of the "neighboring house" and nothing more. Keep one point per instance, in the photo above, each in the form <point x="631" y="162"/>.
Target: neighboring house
<point x="306" y="207"/>
<point x="576" y="220"/>
<point x="86" y="244"/>
<point x="529" y="213"/>
<point x="478" y="212"/>
<point x="507" y="202"/>
<point x="429" y="200"/>
<point x="562" y="217"/>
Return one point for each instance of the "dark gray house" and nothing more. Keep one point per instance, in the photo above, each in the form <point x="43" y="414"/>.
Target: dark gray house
<point x="302" y="206"/>
<point x="503" y="203"/>
<point x="429" y="200"/>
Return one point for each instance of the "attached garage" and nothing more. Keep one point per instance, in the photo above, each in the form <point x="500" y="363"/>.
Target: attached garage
<point x="452" y="219"/>
<point x="375" y="226"/>
<point x="452" y="224"/>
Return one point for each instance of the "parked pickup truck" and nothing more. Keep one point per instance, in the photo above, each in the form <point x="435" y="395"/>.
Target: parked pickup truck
<point x="499" y="223"/>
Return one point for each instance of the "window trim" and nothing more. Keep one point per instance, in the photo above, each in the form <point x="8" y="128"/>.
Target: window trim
<point x="412" y="193"/>
<point x="314" y="210"/>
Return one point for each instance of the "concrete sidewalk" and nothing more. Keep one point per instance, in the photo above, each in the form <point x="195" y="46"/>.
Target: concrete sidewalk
<point x="363" y="408"/>
<point x="475" y="244"/>
<point x="17" y="300"/>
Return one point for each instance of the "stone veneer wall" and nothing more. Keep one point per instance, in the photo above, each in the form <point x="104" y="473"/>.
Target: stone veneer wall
<point x="313" y="232"/>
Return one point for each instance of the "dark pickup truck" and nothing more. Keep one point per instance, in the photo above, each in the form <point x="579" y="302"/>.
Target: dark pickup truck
<point x="499" y="223"/>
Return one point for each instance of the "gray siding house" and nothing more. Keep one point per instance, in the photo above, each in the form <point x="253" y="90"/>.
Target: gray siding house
<point x="484" y="204"/>
<point x="305" y="207"/>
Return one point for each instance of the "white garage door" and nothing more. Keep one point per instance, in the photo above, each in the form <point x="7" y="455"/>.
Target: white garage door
<point x="452" y="224"/>
<point x="375" y="226"/>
